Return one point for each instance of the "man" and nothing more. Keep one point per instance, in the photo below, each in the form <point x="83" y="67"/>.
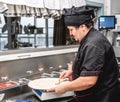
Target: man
<point x="95" y="70"/>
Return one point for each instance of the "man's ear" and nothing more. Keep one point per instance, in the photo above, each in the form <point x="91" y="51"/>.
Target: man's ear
<point x="83" y="26"/>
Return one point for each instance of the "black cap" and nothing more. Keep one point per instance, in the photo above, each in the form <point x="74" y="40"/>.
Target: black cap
<point x="76" y="16"/>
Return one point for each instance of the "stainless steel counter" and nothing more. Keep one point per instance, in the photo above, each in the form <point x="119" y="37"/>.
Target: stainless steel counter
<point x="22" y="92"/>
<point x="21" y="67"/>
<point x="31" y="97"/>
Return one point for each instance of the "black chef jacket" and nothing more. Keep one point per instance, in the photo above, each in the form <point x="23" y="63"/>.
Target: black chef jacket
<point x="96" y="57"/>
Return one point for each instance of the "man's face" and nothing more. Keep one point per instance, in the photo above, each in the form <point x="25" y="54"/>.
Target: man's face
<point x="77" y="33"/>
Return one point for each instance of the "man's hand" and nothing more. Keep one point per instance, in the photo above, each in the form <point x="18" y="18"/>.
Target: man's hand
<point x="59" y="89"/>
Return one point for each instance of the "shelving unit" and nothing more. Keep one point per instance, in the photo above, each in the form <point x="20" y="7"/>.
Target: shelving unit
<point x="36" y="39"/>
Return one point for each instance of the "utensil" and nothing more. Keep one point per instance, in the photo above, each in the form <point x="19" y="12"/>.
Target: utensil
<point x="2" y="96"/>
<point x="62" y="80"/>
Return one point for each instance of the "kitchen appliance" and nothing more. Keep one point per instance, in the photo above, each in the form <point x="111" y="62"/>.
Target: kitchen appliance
<point x="42" y="95"/>
<point x="39" y="87"/>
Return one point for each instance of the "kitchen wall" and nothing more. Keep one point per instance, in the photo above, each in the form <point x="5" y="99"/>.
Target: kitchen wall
<point x="107" y="5"/>
<point x="99" y="1"/>
<point x="115" y="8"/>
<point x="110" y="6"/>
<point x="108" y="9"/>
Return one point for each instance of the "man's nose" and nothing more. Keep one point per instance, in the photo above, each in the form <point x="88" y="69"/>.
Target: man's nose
<point x="70" y="33"/>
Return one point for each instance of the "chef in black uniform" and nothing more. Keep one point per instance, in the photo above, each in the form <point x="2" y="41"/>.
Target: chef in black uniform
<point x="95" y="70"/>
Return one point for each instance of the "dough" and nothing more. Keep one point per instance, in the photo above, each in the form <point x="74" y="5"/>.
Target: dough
<point x="43" y="83"/>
